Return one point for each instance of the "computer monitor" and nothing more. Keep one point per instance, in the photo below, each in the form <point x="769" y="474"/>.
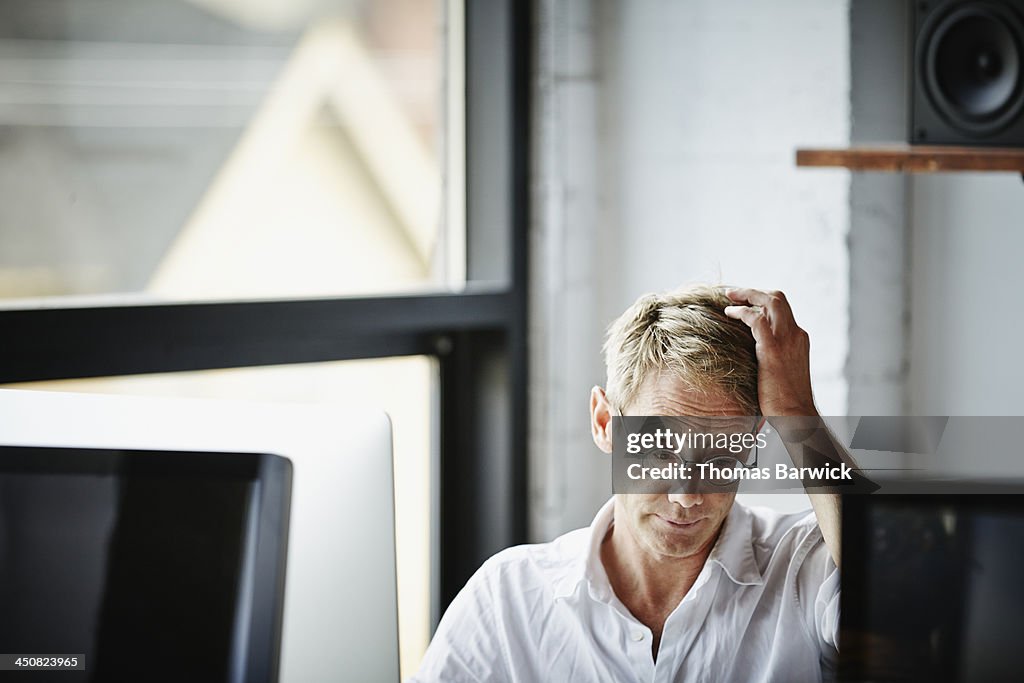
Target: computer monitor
<point x="160" y="565"/>
<point x="340" y="600"/>
<point x="931" y="587"/>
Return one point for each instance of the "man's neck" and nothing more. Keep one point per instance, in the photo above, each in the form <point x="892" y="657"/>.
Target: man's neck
<point x="646" y="575"/>
<point x="651" y="586"/>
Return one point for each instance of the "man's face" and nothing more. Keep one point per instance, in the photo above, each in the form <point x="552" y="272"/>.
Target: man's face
<point x="681" y="524"/>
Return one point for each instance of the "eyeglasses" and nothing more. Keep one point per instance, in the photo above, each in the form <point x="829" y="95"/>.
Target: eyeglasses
<point x="716" y="468"/>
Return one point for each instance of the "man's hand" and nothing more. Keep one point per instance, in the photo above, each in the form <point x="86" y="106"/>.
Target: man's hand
<point x="784" y="390"/>
<point x="783" y="352"/>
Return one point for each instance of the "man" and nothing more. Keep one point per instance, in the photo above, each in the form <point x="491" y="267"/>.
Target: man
<point x="675" y="586"/>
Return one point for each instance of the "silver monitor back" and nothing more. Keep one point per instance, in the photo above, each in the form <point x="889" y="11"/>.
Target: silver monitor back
<point x="340" y="610"/>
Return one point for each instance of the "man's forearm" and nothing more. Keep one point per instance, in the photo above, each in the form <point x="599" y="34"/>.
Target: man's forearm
<point x="810" y="443"/>
<point x="828" y="509"/>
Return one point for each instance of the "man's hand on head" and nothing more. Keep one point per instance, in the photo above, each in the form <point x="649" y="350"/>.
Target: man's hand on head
<point x="784" y="390"/>
<point x="783" y="351"/>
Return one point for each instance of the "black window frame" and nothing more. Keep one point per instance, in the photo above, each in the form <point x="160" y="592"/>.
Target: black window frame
<point x="479" y="335"/>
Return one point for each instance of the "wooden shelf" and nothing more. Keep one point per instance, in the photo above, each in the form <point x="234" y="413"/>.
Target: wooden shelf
<point x="914" y="158"/>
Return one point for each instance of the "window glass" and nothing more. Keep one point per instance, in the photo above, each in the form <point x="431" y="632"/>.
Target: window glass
<point x="226" y="149"/>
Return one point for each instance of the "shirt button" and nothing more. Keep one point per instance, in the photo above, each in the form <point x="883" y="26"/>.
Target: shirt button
<point x="637" y="636"/>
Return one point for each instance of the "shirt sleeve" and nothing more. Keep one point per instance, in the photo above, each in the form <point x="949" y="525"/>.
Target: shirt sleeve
<point x="826" y="606"/>
<point x="466" y="647"/>
<point x="819" y="595"/>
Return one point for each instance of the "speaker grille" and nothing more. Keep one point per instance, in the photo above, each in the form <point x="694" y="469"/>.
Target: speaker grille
<point x="968" y="71"/>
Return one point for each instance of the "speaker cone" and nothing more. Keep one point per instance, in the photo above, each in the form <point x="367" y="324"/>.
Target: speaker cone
<point x="970" y="62"/>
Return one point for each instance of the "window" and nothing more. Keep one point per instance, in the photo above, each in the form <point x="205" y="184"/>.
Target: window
<point x="197" y="214"/>
<point x="223" y="149"/>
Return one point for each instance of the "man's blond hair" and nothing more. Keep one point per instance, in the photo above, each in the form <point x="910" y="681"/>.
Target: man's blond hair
<point x="684" y="332"/>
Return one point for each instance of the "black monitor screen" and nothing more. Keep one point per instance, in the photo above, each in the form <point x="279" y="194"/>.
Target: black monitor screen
<point x="153" y="565"/>
<point x="931" y="588"/>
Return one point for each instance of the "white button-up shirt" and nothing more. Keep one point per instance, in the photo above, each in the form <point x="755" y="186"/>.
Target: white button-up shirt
<point x="765" y="607"/>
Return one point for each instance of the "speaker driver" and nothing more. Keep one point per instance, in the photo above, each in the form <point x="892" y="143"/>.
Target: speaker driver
<point x="970" y="62"/>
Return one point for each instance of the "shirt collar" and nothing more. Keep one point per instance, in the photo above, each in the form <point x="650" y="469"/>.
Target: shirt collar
<point x="585" y="565"/>
<point x="733" y="552"/>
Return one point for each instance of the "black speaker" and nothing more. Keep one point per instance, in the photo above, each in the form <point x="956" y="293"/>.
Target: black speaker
<point x="967" y="77"/>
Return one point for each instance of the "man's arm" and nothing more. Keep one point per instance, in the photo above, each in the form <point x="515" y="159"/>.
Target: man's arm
<point x="784" y="391"/>
<point x="810" y="443"/>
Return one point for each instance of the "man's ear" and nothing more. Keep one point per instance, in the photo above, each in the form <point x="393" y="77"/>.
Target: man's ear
<point x="601" y="419"/>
